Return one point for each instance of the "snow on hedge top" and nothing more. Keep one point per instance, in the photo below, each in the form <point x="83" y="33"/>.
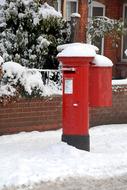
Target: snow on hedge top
<point x="30" y="79"/>
<point x="47" y="11"/>
<point x="12" y="68"/>
<point x="77" y="50"/>
<point x="27" y="78"/>
<point x="102" y="61"/>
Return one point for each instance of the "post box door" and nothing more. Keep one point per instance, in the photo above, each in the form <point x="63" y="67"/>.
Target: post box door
<point x="75" y="114"/>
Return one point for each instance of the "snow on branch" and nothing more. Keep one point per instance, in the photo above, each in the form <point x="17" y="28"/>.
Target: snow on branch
<point x="101" y="26"/>
<point x="48" y="11"/>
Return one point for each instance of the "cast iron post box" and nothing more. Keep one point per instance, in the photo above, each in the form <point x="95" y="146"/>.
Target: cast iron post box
<point x="75" y="96"/>
<point x="100" y="82"/>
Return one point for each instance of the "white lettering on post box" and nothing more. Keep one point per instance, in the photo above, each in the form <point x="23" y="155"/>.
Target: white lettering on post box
<point x="68" y="88"/>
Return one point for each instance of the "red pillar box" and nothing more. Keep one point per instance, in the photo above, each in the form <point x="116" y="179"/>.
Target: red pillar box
<point x="100" y="86"/>
<point x="75" y="95"/>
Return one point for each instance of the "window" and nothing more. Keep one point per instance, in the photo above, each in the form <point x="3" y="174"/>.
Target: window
<point x="97" y="9"/>
<point x="71" y="7"/>
<point x="124" y="38"/>
<point x="57" y="5"/>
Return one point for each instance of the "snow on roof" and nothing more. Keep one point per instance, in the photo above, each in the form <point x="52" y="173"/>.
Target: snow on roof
<point x="47" y="11"/>
<point x="77" y="50"/>
<point x="102" y="61"/>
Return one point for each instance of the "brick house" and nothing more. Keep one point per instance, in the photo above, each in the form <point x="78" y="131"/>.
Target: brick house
<point x="114" y="9"/>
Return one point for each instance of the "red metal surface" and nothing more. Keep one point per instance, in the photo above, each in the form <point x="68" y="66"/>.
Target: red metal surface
<point x="75" y="104"/>
<point x="100" y="87"/>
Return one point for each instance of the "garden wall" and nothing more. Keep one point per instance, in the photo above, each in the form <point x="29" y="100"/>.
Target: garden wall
<point x="45" y="114"/>
<point x="111" y="115"/>
<point x="31" y="114"/>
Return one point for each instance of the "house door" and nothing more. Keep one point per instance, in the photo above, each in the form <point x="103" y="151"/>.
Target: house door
<point x="97" y="9"/>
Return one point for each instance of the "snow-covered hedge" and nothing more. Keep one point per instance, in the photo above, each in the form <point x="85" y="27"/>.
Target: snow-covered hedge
<point x="30" y="33"/>
<point x="19" y="81"/>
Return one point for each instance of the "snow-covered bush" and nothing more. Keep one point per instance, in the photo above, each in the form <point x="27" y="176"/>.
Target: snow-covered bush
<point x="102" y="26"/>
<point x="19" y="81"/>
<point x="30" y="33"/>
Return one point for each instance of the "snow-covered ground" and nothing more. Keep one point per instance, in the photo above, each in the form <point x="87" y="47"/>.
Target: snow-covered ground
<point x="39" y="160"/>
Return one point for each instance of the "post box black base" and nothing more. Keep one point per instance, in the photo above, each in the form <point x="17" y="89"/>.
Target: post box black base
<point x="79" y="141"/>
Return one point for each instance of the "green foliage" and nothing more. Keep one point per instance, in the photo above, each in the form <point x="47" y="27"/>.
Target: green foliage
<point x="100" y="27"/>
<point x="29" y="38"/>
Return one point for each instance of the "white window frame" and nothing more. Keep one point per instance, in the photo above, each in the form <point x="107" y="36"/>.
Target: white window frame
<point x="59" y="6"/>
<point x="65" y="14"/>
<point x="122" y="59"/>
<point x="76" y="7"/>
<point x="97" y="4"/>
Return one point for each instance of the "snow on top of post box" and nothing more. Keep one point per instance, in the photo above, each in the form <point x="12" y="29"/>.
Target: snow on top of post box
<point x="102" y="61"/>
<point x="77" y="50"/>
<point x="62" y="47"/>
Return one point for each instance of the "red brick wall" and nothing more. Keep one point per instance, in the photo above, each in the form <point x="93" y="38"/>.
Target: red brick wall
<point x="110" y="115"/>
<point x="45" y="114"/>
<point x="31" y="114"/>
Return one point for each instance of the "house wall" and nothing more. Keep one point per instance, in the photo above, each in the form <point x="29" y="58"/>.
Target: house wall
<point x="46" y="114"/>
<point x="83" y="10"/>
<point x="114" y="10"/>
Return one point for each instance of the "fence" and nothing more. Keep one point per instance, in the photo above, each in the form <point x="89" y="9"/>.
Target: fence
<point x="50" y="74"/>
